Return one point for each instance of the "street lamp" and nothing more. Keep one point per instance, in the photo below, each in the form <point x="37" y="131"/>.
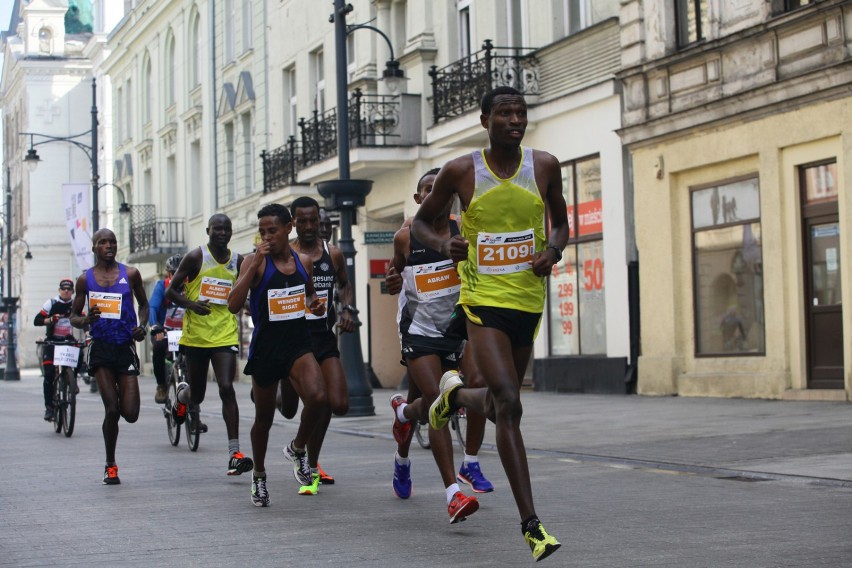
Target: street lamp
<point x="32" y="158"/>
<point x="346" y="195"/>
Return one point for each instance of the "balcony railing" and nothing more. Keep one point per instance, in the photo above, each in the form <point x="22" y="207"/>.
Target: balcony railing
<point x="154" y="238"/>
<point x="374" y="121"/>
<point x="459" y="87"/>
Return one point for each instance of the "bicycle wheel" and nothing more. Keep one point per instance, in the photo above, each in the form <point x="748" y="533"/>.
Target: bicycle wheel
<point x="171" y="397"/>
<point x="458" y="422"/>
<point x="70" y="412"/>
<point x="192" y="434"/>
<point x="58" y="402"/>
<point x="421" y="432"/>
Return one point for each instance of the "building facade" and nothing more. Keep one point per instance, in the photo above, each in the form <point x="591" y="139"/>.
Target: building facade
<point x="50" y="56"/>
<point x="736" y="116"/>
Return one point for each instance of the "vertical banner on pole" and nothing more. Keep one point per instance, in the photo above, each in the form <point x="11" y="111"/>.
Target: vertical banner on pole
<point x="78" y="221"/>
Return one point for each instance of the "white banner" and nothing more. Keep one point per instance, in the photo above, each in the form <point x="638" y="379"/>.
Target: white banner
<point x="78" y="221"/>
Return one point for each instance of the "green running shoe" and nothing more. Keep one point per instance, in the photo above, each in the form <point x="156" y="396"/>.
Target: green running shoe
<point x="541" y="544"/>
<point x="311" y="489"/>
<point x="441" y="410"/>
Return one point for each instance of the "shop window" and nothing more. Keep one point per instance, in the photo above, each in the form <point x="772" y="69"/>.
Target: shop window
<point x="728" y="269"/>
<point x="576" y="298"/>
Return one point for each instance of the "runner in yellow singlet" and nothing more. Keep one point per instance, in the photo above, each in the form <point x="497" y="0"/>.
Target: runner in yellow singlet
<point x="504" y="257"/>
<point x="210" y="332"/>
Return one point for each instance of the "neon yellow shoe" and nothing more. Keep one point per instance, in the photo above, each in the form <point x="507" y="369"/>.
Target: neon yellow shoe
<point x="441" y="410"/>
<point x="313" y="488"/>
<point x="541" y="543"/>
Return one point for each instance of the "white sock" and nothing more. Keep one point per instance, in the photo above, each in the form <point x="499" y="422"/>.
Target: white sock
<point x="451" y="491"/>
<point x="401" y="460"/>
<point x="470" y="459"/>
<point x="399" y="414"/>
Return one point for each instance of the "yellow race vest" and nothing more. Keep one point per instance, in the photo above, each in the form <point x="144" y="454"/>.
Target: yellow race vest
<point x="214" y="283"/>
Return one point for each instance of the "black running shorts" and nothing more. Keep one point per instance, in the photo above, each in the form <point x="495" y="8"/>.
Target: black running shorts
<point x="121" y="359"/>
<point x="324" y="345"/>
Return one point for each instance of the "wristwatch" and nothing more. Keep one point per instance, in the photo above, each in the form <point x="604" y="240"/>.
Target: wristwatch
<point x="557" y="251"/>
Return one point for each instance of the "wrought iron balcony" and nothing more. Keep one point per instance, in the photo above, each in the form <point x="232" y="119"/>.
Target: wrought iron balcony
<point x="459" y="87"/>
<point x="374" y="121"/>
<point x="153" y="238"/>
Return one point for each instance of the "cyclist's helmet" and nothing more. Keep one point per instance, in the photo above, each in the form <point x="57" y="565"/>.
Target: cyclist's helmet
<point x="173" y="262"/>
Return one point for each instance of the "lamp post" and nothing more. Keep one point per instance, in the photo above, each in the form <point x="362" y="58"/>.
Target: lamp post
<point x="12" y="373"/>
<point x="32" y="158"/>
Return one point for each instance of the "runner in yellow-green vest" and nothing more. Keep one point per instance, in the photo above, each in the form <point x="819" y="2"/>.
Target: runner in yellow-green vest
<point x="504" y="256"/>
<point x="206" y="276"/>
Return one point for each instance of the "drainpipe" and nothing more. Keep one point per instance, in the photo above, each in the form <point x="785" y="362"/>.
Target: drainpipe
<point x="214" y="135"/>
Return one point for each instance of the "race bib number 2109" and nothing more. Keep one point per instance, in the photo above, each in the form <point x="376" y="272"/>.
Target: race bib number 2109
<point x="504" y="253"/>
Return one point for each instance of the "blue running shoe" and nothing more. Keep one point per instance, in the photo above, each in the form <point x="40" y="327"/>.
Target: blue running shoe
<point x="402" y="480"/>
<point x="472" y="475"/>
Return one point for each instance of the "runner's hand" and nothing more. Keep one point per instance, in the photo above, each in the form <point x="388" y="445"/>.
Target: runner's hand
<point x="317" y="307"/>
<point x="93" y="315"/>
<point x="455" y="248"/>
<point x="139" y="333"/>
<point x="393" y="280"/>
<point x="201" y="308"/>
<point x="542" y="263"/>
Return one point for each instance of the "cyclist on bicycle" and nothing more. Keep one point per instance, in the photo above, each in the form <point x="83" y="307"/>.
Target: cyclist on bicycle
<point x="54" y="315"/>
<point x="164" y="314"/>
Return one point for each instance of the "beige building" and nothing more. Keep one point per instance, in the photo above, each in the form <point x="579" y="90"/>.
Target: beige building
<point x="736" y="115"/>
<point x="562" y="53"/>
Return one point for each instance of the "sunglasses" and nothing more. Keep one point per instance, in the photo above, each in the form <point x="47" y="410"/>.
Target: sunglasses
<point x="65" y="288"/>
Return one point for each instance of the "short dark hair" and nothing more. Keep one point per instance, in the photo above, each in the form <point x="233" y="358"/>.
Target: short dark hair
<point x="432" y="172"/>
<point x="488" y="98"/>
<point x="303" y="201"/>
<point x="275" y="210"/>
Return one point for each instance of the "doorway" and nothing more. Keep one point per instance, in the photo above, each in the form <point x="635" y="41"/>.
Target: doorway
<point x="822" y="264"/>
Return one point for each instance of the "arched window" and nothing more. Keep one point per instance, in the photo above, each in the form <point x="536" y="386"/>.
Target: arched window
<point x="45" y="40"/>
<point x="170" y="70"/>
<point x="146" y="90"/>
<point x="195" y="51"/>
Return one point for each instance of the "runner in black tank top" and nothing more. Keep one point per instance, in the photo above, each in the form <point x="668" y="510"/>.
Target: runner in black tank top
<point x="280" y="282"/>
<point x="329" y="271"/>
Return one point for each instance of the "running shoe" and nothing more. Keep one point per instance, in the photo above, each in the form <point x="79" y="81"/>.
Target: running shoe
<point x="325" y="479"/>
<point x="259" y="494"/>
<point x="472" y="475"/>
<point x="401" y="430"/>
<point x="461" y="507"/>
<point x="313" y="488"/>
<point x="301" y="468"/>
<point x="239" y="464"/>
<point x="441" y="409"/>
<point x="541" y="544"/>
<point x="111" y="475"/>
<point x="160" y="396"/>
<point x="402" y="479"/>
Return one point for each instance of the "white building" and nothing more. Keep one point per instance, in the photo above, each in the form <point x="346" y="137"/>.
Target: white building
<point x="46" y="89"/>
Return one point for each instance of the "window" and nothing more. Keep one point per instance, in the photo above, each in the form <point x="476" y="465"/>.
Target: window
<point x="728" y="269"/>
<point x="230" y="32"/>
<point x="318" y="64"/>
<point x="246" y="25"/>
<point x="576" y="298"/>
<point x="118" y="118"/>
<point x="248" y="154"/>
<point x="230" y="163"/>
<point x="464" y="28"/>
<point x="128" y="114"/>
<point x="350" y="57"/>
<point x="692" y="17"/>
<point x="195" y="52"/>
<point x="195" y="177"/>
<point x="575" y="14"/>
<point x="45" y="40"/>
<point x="790" y="5"/>
<point x="146" y="95"/>
<point x="291" y="117"/>
<point x="170" y="71"/>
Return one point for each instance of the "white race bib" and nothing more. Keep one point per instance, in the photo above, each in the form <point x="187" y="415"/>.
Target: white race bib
<point x="173" y="337"/>
<point x="66" y="355"/>
<point x="436" y="280"/>
<point x="323" y="298"/>
<point x="108" y="302"/>
<point x="286" y="303"/>
<point x="215" y="290"/>
<point x="504" y="253"/>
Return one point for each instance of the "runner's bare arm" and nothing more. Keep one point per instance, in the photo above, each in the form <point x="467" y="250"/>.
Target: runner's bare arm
<point x="345" y="321"/>
<point x="188" y="270"/>
<point x="450" y="182"/>
<point x="549" y="175"/>
<point x="81" y="293"/>
<point x="141" y="302"/>
<point x="311" y="299"/>
<point x="251" y="271"/>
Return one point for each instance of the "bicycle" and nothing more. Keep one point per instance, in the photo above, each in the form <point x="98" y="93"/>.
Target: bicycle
<point x="66" y="358"/>
<point x="176" y="369"/>
<point x="458" y="423"/>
